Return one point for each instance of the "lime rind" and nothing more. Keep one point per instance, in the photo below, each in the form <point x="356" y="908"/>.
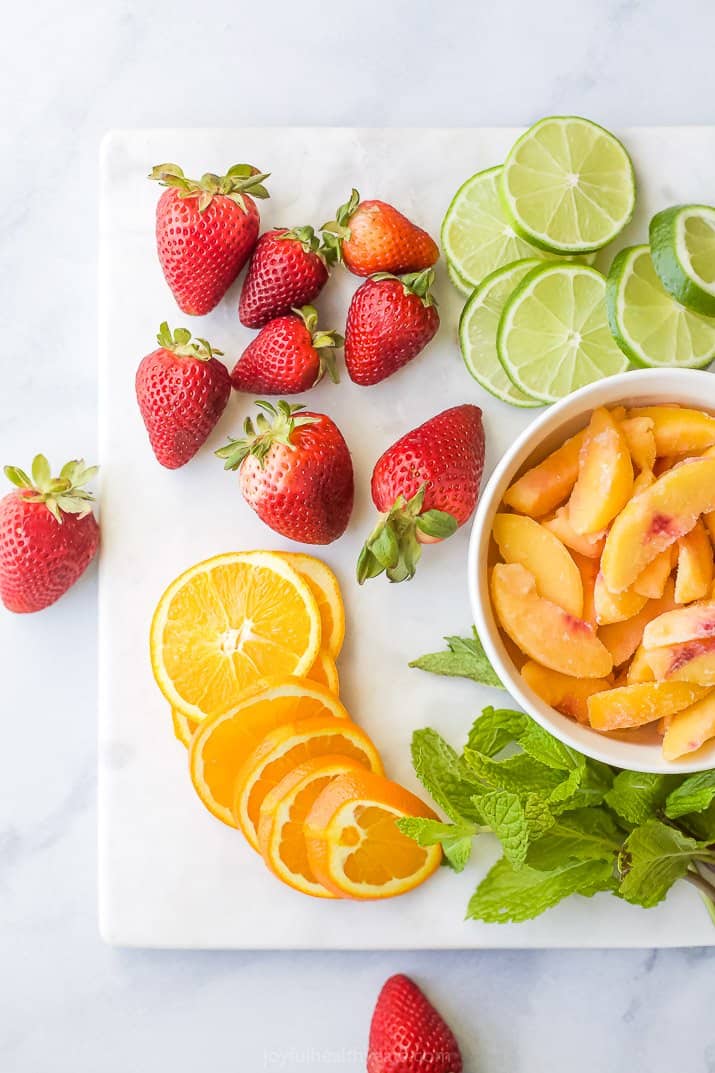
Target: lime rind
<point x="553" y="336"/>
<point x="650" y="327"/>
<point x="568" y="185"/>
<point x="460" y="284"/>
<point x="682" y="241"/>
<point x="478" y="327"/>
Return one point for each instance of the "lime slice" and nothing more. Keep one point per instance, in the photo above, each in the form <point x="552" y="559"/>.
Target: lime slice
<point x="650" y="327"/>
<point x="682" y="245"/>
<point x="456" y="280"/>
<point x="478" y="332"/>
<point x="553" y="334"/>
<point x="568" y="185"/>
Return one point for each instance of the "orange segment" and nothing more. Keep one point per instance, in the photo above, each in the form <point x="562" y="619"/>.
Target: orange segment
<point x="283" y="749"/>
<point x="354" y="846"/>
<point x="281" y="833"/>
<point x="326" y="590"/>
<point x="325" y="672"/>
<point x="223" y="742"/>
<point x="184" y="727"/>
<point x="227" y="623"/>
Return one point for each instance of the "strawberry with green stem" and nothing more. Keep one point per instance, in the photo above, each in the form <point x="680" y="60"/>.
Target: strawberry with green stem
<point x="289" y="355"/>
<point x="372" y="236"/>
<point x="288" y="269"/>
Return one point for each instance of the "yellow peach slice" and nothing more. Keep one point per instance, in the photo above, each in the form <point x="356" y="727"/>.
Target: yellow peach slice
<point x="639" y="669"/>
<point x="605" y="476"/>
<point x="622" y="638"/>
<point x="693" y="661"/>
<point x="567" y="695"/>
<point x="655" y="519"/>
<point x="522" y="540"/>
<point x="638" y="433"/>
<point x="690" y="728"/>
<point x="636" y="705"/>
<point x="542" y="629"/>
<point x="588" y="569"/>
<point x="678" y="430"/>
<point x="589" y="545"/>
<point x="652" y="581"/>
<point x="709" y="520"/>
<point x="549" y="483"/>
<point x="694" y="576"/>
<point x="615" y="606"/>
<point x="680" y="626"/>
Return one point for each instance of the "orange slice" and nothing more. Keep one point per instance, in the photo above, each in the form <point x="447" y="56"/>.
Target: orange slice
<point x="325" y="672"/>
<point x="354" y="846"/>
<point x="184" y="727"/>
<point x="281" y="835"/>
<point x="223" y="742"/>
<point x="283" y="749"/>
<point x="228" y="622"/>
<point x="326" y="590"/>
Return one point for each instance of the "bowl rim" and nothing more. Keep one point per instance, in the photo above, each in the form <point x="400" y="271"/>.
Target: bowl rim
<point x="635" y="387"/>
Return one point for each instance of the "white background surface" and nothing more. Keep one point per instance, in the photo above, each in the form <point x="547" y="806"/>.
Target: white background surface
<point x="69" y="72"/>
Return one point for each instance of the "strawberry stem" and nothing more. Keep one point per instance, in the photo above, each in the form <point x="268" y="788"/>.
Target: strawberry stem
<point x="336" y="231"/>
<point x="393" y="547"/>
<point x="240" y="179"/>
<point x="179" y="343"/>
<point x="325" y="342"/>
<point x="275" y="424"/>
<point x="418" y="283"/>
<point x="65" y="494"/>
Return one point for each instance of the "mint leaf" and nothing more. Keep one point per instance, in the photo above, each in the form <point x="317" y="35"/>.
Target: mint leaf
<point x="454" y="838"/>
<point x="519" y="774"/>
<point x="504" y="813"/>
<point x="564" y="793"/>
<point x="696" y="794"/>
<point x="595" y="782"/>
<point x="540" y="745"/>
<point x="445" y="775"/>
<point x="583" y="835"/>
<point x="653" y="857"/>
<point x="494" y="729"/>
<point x="638" y="795"/>
<point x="514" y="894"/>
<point x="464" y="658"/>
<point x="701" y="824"/>
<point x="538" y="815"/>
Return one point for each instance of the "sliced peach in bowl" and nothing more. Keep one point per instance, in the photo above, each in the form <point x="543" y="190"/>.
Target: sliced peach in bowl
<point x="682" y="625"/>
<point x="635" y="705"/>
<point x="693" y="661"/>
<point x="689" y="729"/>
<point x="694" y="576"/>
<point x="652" y="581"/>
<point x="622" y="638"/>
<point x="566" y="694"/>
<point x="589" y="544"/>
<point x="678" y="429"/>
<point x="638" y="433"/>
<point x="605" y="475"/>
<point x="523" y="540"/>
<point x="615" y="606"/>
<point x="547" y="484"/>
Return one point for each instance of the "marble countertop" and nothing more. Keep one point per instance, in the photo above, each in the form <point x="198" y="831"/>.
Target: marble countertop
<point x="67" y="1002"/>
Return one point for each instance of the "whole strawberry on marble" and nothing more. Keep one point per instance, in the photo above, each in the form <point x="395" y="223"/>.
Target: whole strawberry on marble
<point x="48" y="534"/>
<point x="295" y="471"/>
<point x="182" y="390"/>
<point x="408" y="1035"/>
<point x="289" y="355"/>
<point x="288" y="269"/>
<point x="206" y="230"/>
<point x="372" y="236"/>
<point x="425" y="486"/>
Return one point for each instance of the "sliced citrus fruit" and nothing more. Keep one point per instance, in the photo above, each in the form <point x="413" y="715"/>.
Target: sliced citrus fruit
<point x="281" y="830"/>
<point x="354" y="845"/>
<point x="682" y="244"/>
<point x="325" y="672"/>
<point x="228" y="622"/>
<point x="222" y="743"/>
<point x="283" y="749"/>
<point x="326" y="589"/>
<point x="184" y="727"/>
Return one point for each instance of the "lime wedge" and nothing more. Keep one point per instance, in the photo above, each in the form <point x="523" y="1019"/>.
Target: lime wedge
<point x="553" y="334"/>
<point x="650" y="327"/>
<point x="682" y="245"/>
<point x="568" y="185"/>
<point x="478" y="332"/>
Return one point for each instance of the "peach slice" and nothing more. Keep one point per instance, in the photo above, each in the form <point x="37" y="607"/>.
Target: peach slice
<point x="680" y="626"/>
<point x="615" y="606"/>
<point x="655" y="519"/>
<point x="652" y="581"/>
<point x="549" y="483"/>
<point x="635" y="705"/>
<point x="709" y="520"/>
<point x="678" y="430"/>
<point x="622" y="638"/>
<point x="605" y="476"/>
<point x="693" y="661"/>
<point x="639" y="669"/>
<point x="694" y="576"/>
<point x="542" y="629"/>
<point x="567" y="695"/>
<point x="588" y="569"/>
<point x="522" y="540"/>
<point x="638" y="434"/>
<point x="690" y="728"/>
<point x="589" y="545"/>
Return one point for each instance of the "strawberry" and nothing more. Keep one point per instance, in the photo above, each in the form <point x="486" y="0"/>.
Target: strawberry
<point x="48" y="534"/>
<point x="182" y="390"/>
<point x="288" y="269"/>
<point x="390" y="321"/>
<point x="288" y="356"/>
<point x="205" y="231"/>
<point x="426" y="486"/>
<point x="295" y="471"/>
<point x="372" y="236"/>
<point x="408" y="1035"/>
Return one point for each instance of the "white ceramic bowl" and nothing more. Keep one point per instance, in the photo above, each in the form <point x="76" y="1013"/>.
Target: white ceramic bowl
<point x="642" y="387"/>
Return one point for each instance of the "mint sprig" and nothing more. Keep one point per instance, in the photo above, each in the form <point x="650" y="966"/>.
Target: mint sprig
<point x="464" y="657"/>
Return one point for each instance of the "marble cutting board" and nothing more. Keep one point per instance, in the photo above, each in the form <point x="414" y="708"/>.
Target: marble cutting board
<point x="170" y="875"/>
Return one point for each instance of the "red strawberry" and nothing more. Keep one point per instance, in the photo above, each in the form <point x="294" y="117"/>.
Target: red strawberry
<point x="295" y="472"/>
<point x="426" y="486"/>
<point x="182" y="390"/>
<point x="288" y="269"/>
<point x="390" y="321"/>
<point x="407" y="1034"/>
<point x="205" y="231"/>
<point x="372" y="236"/>
<point x="48" y="534"/>
<point x="288" y="356"/>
